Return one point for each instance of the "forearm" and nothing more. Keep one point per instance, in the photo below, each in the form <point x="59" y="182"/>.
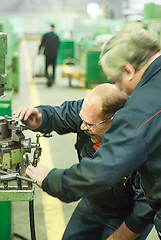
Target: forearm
<point x="123" y="233"/>
<point x="51" y="185"/>
<point x="61" y="119"/>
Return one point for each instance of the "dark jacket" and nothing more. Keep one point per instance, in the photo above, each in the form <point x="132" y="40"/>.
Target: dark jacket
<point x="50" y="42"/>
<point x="132" y="142"/>
<point x="123" y="199"/>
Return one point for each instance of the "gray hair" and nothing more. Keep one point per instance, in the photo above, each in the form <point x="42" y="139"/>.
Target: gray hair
<point x="135" y="48"/>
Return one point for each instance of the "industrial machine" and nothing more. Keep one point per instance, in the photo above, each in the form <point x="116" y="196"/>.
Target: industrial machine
<point x="15" y="154"/>
<point x="14" y="159"/>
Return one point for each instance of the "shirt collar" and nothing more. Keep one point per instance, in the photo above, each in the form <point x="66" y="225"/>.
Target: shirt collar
<point x="152" y="69"/>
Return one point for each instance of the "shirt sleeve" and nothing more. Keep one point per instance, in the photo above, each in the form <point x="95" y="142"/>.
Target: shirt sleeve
<point x="61" y="119"/>
<point x="48" y="187"/>
<point x="122" y="151"/>
<point x="142" y="214"/>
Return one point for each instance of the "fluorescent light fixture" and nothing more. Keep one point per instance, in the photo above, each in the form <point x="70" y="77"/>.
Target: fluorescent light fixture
<point x="94" y="10"/>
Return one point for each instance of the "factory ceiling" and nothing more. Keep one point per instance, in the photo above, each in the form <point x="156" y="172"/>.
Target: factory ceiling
<point x="71" y="8"/>
<point x="60" y="5"/>
<point x="29" y="5"/>
<point x="56" y="6"/>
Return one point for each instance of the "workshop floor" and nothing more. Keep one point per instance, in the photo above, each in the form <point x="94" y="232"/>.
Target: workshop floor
<point x="51" y="215"/>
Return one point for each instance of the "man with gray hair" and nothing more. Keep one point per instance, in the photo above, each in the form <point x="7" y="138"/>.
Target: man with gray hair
<point x="136" y="69"/>
<point x="133" y="142"/>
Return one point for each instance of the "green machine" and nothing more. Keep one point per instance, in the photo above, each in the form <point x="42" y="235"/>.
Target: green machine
<point x="152" y="11"/>
<point x="12" y="58"/>
<point x="94" y="72"/>
<point x="152" y="21"/>
<point x="66" y="50"/>
<point x="14" y="157"/>
<point x="5" y="207"/>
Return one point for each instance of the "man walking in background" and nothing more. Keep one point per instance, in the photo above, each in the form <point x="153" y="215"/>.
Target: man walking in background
<point x="50" y="43"/>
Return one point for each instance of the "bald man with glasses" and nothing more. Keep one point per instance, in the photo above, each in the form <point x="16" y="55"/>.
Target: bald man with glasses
<point x="97" y="216"/>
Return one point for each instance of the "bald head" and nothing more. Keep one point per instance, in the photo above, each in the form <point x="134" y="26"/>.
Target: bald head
<point x="111" y="99"/>
<point x="98" y="109"/>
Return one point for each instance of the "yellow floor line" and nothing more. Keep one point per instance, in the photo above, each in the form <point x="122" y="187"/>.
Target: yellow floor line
<point x="53" y="211"/>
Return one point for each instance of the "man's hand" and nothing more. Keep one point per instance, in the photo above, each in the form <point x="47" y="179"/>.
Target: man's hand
<point x="123" y="233"/>
<point x="29" y="116"/>
<point x="37" y="173"/>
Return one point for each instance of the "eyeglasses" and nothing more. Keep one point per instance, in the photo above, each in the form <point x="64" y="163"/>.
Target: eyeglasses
<point x="88" y="125"/>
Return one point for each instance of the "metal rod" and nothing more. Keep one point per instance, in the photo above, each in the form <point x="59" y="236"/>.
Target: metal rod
<point x="16" y="175"/>
<point x="26" y="179"/>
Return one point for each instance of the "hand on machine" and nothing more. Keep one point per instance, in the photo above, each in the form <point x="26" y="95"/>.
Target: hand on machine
<point x="14" y="159"/>
<point x="32" y="118"/>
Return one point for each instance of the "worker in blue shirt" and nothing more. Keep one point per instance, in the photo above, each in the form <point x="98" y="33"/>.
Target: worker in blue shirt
<point x="98" y="216"/>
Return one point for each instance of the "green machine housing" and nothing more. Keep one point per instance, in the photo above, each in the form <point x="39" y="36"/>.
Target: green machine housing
<point x="14" y="159"/>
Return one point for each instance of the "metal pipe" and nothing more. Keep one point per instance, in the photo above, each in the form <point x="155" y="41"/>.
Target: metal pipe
<point x="12" y="176"/>
<point x="32" y="221"/>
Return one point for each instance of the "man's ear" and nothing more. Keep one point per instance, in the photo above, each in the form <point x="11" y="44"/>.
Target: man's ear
<point x="129" y="71"/>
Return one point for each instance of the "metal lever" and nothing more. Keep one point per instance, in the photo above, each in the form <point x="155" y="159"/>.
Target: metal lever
<point x="12" y="176"/>
<point x="9" y="177"/>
